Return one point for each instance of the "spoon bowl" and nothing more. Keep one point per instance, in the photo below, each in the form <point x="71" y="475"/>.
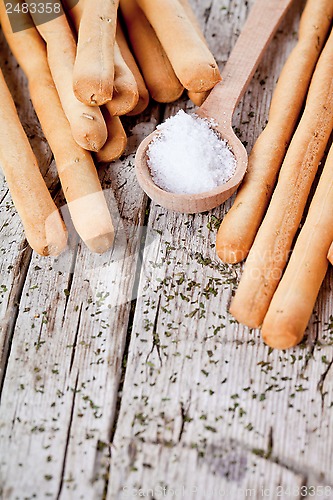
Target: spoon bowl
<point x="192" y="203"/>
<point x="260" y="27"/>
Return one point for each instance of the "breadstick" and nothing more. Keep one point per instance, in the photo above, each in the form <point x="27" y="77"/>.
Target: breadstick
<point x="94" y="63"/>
<point x="330" y="254"/>
<point x="74" y="12"/>
<point x="77" y="172"/>
<point x="190" y="57"/>
<point x="44" y="228"/>
<point x="269" y="253"/>
<point x="125" y="90"/>
<point x="116" y="141"/>
<point x="295" y="297"/>
<point x="160" y="78"/>
<point x="198" y="98"/>
<point x="239" y="227"/>
<point x="87" y="124"/>
<point x="193" y="18"/>
<point x="131" y="63"/>
<point x="126" y="93"/>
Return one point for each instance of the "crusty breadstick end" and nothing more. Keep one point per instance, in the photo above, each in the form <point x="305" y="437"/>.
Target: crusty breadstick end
<point x="194" y="81"/>
<point x="93" y="95"/>
<point x="116" y="141"/>
<point x="100" y="244"/>
<point x="198" y="98"/>
<point x="56" y="235"/>
<point x="230" y="252"/>
<point x="242" y="316"/>
<point x="241" y="313"/>
<point x="141" y="105"/>
<point x="50" y="240"/>
<point x="282" y="333"/>
<point x="93" y="218"/>
<point x="230" y="256"/>
<point x="93" y="140"/>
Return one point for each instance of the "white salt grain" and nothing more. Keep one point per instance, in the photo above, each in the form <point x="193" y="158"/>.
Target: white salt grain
<point x="188" y="157"/>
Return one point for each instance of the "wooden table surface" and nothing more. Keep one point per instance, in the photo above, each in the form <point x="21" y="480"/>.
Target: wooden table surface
<point x="123" y="375"/>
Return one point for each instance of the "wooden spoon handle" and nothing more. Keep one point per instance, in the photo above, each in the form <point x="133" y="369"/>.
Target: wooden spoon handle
<point x="259" y="29"/>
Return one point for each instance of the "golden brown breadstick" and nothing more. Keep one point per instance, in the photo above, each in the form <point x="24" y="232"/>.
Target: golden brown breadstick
<point x="125" y="93"/>
<point x="239" y="227"/>
<point x="125" y="90"/>
<point x="116" y="141"/>
<point x="94" y="63"/>
<point x="160" y="78"/>
<point x="330" y="254"/>
<point x="131" y="63"/>
<point x="190" y="57"/>
<point x="44" y="228"/>
<point x="198" y="98"/>
<point x="193" y="18"/>
<point x="77" y="172"/>
<point x="269" y="253"/>
<point x="87" y="124"/>
<point x="295" y="297"/>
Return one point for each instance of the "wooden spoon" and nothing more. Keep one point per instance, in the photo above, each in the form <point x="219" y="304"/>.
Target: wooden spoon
<point x="259" y="29"/>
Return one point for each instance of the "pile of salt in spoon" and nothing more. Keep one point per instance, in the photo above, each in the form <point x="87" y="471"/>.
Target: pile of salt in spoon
<point x="188" y="157"/>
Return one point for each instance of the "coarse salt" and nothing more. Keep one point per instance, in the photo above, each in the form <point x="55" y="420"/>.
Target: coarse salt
<point x="188" y="157"/>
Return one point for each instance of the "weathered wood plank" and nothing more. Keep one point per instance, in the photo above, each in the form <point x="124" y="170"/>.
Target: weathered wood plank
<point x="195" y="378"/>
<point x="204" y="402"/>
<point x="63" y="372"/>
<point x="64" y="323"/>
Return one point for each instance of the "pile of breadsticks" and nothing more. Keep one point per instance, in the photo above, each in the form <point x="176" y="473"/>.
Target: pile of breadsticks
<point x="279" y="285"/>
<point x="86" y="66"/>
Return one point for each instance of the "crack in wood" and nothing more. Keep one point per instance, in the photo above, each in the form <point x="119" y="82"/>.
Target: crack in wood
<point x="321" y="384"/>
<point x="70" y="282"/>
<point x="8" y="324"/>
<point x="185" y="418"/>
<point x="68" y="438"/>
<point x="207" y="13"/>
<point x="4" y="196"/>
<point x="75" y="339"/>
<point x="156" y="342"/>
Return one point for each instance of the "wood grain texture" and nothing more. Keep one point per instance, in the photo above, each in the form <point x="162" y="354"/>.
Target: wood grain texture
<point x="126" y="371"/>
